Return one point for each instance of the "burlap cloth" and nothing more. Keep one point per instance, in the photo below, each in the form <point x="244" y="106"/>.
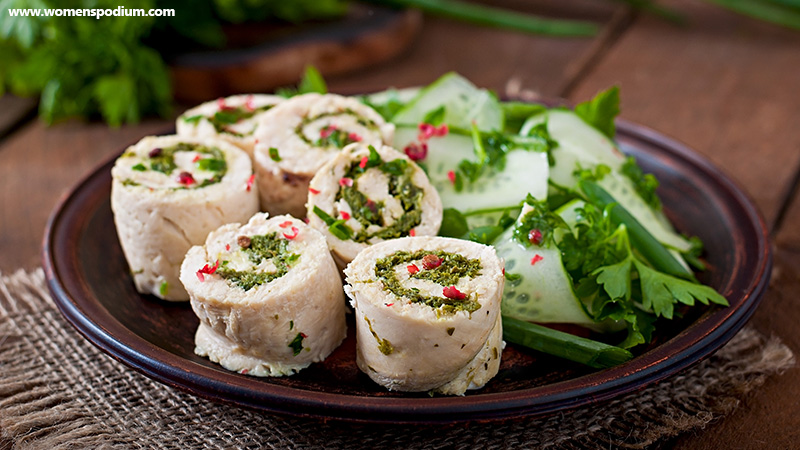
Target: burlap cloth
<point x="58" y="391"/>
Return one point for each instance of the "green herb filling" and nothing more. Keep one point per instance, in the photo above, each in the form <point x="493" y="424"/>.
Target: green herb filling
<point x="367" y="212"/>
<point x="262" y="247"/>
<point x="230" y="115"/>
<point x="453" y="267"/>
<point x="164" y="161"/>
<point x="330" y="136"/>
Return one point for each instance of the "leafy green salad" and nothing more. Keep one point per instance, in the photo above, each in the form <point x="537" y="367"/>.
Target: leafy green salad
<point x="580" y="226"/>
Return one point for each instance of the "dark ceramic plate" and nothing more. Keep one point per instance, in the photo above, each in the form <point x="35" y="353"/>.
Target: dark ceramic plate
<point x="88" y="276"/>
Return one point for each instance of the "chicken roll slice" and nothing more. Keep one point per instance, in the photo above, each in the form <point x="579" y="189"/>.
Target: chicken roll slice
<point x="427" y="313"/>
<point x="268" y="296"/>
<point x="232" y="119"/>
<point x="167" y="194"/>
<point x="367" y="195"/>
<point x="298" y="136"/>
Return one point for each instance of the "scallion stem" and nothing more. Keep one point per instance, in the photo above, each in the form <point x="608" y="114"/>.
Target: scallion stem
<point x="779" y="14"/>
<point x="496" y="17"/>
<point x="642" y="240"/>
<point x="563" y="345"/>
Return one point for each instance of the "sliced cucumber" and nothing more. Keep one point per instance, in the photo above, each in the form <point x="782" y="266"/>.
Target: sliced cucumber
<point x="463" y="102"/>
<point x="621" y="188"/>
<point x="543" y="292"/>
<point x="403" y="95"/>
<point x="525" y="172"/>
<point x="579" y="144"/>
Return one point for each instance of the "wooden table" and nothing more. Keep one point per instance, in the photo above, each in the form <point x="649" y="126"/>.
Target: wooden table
<point x="725" y="85"/>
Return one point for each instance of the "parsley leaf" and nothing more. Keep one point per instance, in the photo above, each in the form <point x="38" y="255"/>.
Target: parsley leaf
<point x="435" y="116"/>
<point x="618" y="282"/>
<point x="645" y="184"/>
<point x="454" y="224"/>
<point x="600" y="111"/>
<point x="312" y="81"/>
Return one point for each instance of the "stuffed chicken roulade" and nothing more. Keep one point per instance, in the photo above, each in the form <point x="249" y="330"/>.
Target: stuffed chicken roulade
<point x="298" y="136"/>
<point x="268" y="296"/>
<point x="369" y="194"/>
<point x="232" y="119"/>
<point x="427" y="312"/>
<point x="167" y="194"/>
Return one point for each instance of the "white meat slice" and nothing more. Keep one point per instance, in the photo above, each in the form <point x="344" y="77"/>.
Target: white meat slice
<point x="275" y="328"/>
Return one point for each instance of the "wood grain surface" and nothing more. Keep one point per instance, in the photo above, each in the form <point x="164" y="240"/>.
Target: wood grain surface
<point x="726" y="85"/>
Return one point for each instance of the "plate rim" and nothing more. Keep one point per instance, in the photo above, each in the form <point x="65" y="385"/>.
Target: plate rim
<point x="127" y="347"/>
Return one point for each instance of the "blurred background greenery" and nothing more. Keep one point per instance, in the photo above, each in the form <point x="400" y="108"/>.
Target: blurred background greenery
<point x="116" y="68"/>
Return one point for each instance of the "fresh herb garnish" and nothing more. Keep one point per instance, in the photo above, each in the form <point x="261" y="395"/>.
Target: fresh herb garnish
<point x="541" y="219"/>
<point x="435" y="116"/>
<point x="454" y="224"/>
<point x="312" y="81"/>
<point x="600" y="111"/>
<point x="491" y="149"/>
<point x="617" y="282"/>
<point x="645" y="184"/>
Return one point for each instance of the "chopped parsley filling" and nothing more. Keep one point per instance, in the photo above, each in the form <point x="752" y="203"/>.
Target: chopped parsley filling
<point x="262" y="247"/>
<point x="163" y="160"/>
<point x="368" y="212"/>
<point x="331" y="136"/>
<point x="230" y="115"/>
<point x="452" y="267"/>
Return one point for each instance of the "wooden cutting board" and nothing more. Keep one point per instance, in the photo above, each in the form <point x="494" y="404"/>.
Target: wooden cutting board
<point x="366" y="36"/>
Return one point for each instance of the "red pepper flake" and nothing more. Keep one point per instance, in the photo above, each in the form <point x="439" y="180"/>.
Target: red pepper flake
<point x="431" y="262"/>
<point x="221" y="104"/>
<point x="288" y="223"/>
<point x="227" y="247"/>
<point x="303" y="335"/>
<point x="536" y="259"/>
<point x="327" y="131"/>
<point x="196" y="158"/>
<point x="441" y="130"/>
<point x="412" y="232"/>
<point x="354" y="137"/>
<point x="250" y="182"/>
<point x="313" y="191"/>
<point x="244" y="371"/>
<point x="426" y="131"/>
<point x="372" y="206"/>
<point x="207" y="271"/>
<point x="504" y="270"/>
<point x="306" y="220"/>
<point x="248" y="103"/>
<point x="388" y="304"/>
<point x="363" y="163"/>
<point x="452" y="292"/>
<point x="535" y="236"/>
<point x="451" y="175"/>
<point x="344" y="215"/>
<point x="415" y="151"/>
<point x="295" y="231"/>
<point x="412" y="269"/>
<point x="346" y="182"/>
<point x="154" y="152"/>
<point x="185" y="178"/>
